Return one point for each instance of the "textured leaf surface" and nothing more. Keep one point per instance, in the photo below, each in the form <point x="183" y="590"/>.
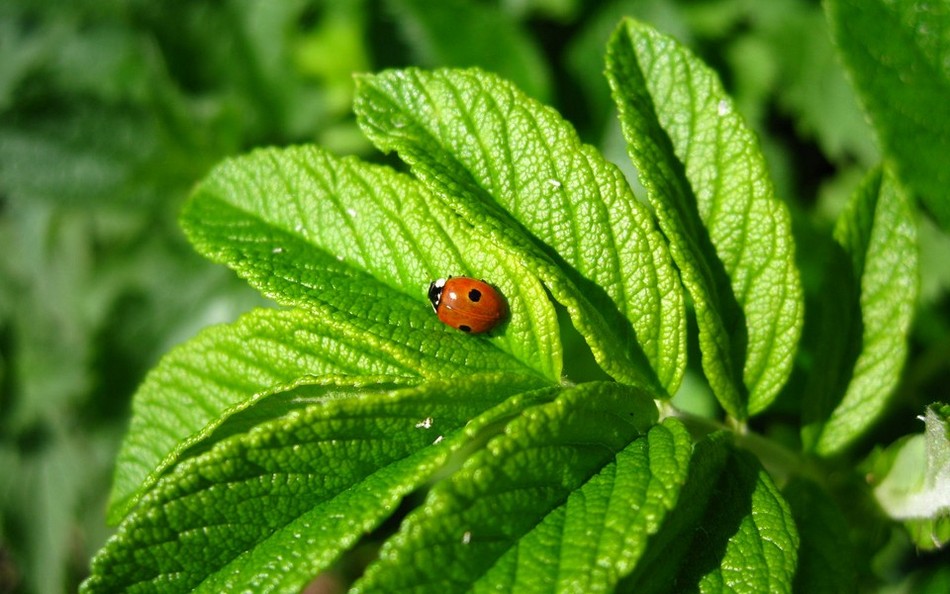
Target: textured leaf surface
<point x="871" y="294"/>
<point x="224" y="366"/>
<point x="359" y="244"/>
<point x="898" y="54"/>
<point x="267" y="509"/>
<point x="466" y="535"/>
<point x="596" y="537"/>
<point x="762" y="554"/>
<point x="518" y="174"/>
<point x="355" y="246"/>
<point x="731" y="532"/>
<point x="731" y="239"/>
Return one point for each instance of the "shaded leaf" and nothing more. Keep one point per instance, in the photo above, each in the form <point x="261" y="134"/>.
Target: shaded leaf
<point x="826" y="556"/>
<point x="869" y="300"/>
<point x="731" y="532"/>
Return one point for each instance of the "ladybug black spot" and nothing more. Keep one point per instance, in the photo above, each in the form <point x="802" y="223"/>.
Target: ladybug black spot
<point x="465" y="328"/>
<point x="474" y="295"/>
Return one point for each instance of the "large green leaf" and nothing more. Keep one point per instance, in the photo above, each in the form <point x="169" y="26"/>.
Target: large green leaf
<point x="267" y="509"/>
<point x="518" y="174"/>
<point x="868" y="303"/>
<point x="356" y="245"/>
<point x="898" y="55"/>
<point x="731" y="239"/>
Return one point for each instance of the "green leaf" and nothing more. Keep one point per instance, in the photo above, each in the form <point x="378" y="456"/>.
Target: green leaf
<point x="731" y="532"/>
<point x="268" y="509"/>
<point x="869" y="299"/>
<point x="730" y="237"/>
<point x="598" y="535"/>
<point x="359" y="244"/>
<point x="538" y="502"/>
<point x="916" y="489"/>
<point x="223" y="367"/>
<point x="826" y="563"/>
<point x="898" y="55"/>
<point x="518" y="174"/>
<point x="490" y="39"/>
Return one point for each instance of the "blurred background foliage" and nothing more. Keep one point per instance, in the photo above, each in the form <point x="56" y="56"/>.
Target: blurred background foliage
<point x="111" y="109"/>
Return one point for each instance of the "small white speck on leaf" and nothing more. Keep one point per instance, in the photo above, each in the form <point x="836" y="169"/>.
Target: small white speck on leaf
<point x="437" y="440"/>
<point x="723" y="108"/>
<point x="467" y="537"/>
<point x="278" y="250"/>
<point x="340" y="257"/>
<point x="351" y="212"/>
<point x="554" y="183"/>
<point x="424" y="423"/>
<point x="299" y="228"/>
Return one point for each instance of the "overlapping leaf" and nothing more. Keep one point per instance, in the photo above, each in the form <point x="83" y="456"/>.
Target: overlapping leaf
<point x="513" y="516"/>
<point x="267" y="509"/>
<point x="195" y="384"/>
<point x="520" y="176"/>
<point x="729" y="236"/>
<point x="559" y="504"/>
<point x="731" y="532"/>
<point x="355" y="246"/>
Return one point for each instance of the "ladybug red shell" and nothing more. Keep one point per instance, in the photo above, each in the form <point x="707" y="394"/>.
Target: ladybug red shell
<point x="467" y="304"/>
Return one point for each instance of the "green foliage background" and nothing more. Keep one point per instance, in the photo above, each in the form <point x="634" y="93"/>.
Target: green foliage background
<point x="111" y="111"/>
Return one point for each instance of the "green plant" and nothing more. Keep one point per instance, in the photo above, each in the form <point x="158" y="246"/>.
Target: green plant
<point x="262" y="451"/>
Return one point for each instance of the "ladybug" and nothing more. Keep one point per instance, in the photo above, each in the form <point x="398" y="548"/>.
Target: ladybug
<point x="467" y="304"/>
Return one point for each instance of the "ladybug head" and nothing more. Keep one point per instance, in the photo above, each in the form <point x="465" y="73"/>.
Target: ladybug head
<point x="435" y="293"/>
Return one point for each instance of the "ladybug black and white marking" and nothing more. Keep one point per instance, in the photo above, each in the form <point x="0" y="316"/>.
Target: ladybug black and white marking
<point x="467" y="304"/>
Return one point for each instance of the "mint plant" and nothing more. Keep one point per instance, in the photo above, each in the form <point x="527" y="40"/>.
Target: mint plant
<point x="262" y="452"/>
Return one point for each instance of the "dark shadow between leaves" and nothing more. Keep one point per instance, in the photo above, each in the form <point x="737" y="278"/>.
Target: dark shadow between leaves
<point x="832" y="336"/>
